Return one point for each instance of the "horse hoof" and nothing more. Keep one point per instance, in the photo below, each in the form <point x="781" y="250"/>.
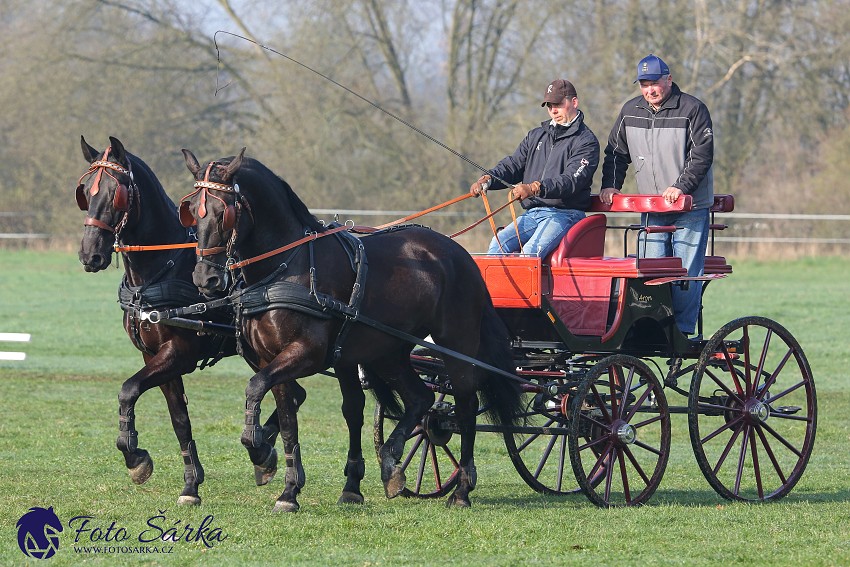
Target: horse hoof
<point x="143" y="471"/>
<point x="284" y="506"/>
<point x="189" y="501"/>
<point x="264" y="473"/>
<point x="350" y="498"/>
<point x="455" y="502"/>
<point x="395" y="484"/>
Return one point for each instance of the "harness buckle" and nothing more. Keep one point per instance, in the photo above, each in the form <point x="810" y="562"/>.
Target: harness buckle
<point x="199" y="308"/>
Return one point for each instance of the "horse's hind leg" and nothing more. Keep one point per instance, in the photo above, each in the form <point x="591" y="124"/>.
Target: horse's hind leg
<point x="466" y="408"/>
<point x="353" y="403"/>
<point x="193" y="472"/>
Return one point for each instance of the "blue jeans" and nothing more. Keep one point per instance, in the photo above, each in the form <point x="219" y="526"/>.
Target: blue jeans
<point x="688" y="243"/>
<point x="541" y="230"/>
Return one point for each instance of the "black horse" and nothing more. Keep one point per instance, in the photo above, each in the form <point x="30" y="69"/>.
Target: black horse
<point x="307" y="296"/>
<point x="127" y="206"/>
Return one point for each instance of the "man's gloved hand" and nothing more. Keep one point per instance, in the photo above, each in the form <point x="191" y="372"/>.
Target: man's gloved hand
<point x="525" y="190"/>
<point x="480" y="186"/>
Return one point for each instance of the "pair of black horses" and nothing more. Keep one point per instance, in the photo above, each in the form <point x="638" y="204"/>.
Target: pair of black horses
<point x="317" y="287"/>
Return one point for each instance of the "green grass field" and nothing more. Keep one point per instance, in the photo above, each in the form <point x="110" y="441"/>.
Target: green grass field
<point x="58" y="423"/>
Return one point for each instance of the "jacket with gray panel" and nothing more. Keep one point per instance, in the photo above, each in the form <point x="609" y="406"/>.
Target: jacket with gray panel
<point x="670" y="147"/>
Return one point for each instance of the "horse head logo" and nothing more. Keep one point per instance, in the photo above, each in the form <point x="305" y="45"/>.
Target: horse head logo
<point x="38" y="533"/>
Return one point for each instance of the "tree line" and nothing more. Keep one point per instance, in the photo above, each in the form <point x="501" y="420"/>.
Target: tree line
<point x="467" y="73"/>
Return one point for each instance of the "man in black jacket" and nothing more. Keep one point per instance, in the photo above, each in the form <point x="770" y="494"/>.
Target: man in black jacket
<point x="667" y="136"/>
<point x="552" y="170"/>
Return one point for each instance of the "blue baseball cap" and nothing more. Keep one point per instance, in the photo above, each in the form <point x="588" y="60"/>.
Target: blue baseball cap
<point x="651" y="68"/>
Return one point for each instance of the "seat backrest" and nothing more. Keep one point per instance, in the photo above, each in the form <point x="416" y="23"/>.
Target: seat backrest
<point x="585" y="239"/>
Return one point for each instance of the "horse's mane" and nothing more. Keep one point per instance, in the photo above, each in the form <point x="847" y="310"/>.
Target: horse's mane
<point x="254" y="174"/>
<point x="142" y="173"/>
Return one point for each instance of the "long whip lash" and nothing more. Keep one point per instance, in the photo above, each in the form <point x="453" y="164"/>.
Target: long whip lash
<point x="364" y="99"/>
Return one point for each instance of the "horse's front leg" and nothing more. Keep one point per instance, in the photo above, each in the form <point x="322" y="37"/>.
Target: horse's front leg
<point x="159" y="369"/>
<point x="353" y="404"/>
<point x="289" y="398"/>
<point x="398" y="375"/>
<point x="282" y="370"/>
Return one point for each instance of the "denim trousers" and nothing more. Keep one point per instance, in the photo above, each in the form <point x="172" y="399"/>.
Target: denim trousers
<point x="540" y="229"/>
<point x="688" y="243"/>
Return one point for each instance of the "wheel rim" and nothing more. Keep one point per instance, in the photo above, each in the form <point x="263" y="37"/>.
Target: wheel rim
<point x="752" y="411"/>
<point x="619" y="433"/>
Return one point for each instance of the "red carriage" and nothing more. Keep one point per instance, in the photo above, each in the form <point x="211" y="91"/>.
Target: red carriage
<point x="595" y="343"/>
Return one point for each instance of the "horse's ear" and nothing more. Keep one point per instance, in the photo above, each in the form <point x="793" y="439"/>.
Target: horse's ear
<point x="236" y="164"/>
<point x="89" y="153"/>
<point x="118" y="150"/>
<point x="191" y="162"/>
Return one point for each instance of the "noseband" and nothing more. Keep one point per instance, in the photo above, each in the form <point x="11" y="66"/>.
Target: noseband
<point x="124" y="195"/>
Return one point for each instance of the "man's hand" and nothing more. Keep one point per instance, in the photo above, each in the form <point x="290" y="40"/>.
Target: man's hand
<point x="480" y="186"/>
<point x="525" y="190"/>
<point x="671" y="194"/>
<point x="606" y="195"/>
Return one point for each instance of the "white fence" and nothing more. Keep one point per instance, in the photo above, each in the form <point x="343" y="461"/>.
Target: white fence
<point x="14" y="338"/>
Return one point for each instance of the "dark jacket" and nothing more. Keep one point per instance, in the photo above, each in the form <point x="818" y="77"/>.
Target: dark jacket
<point x="562" y="158"/>
<point x="671" y="147"/>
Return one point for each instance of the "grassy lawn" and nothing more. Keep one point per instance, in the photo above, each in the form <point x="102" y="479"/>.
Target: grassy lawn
<point x="59" y="423"/>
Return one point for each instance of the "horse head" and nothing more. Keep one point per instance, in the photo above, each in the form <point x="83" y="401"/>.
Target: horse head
<point x="107" y="192"/>
<point x="214" y="208"/>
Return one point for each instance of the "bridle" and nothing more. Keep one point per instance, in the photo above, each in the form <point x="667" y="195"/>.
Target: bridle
<point x="230" y="217"/>
<point x="122" y="200"/>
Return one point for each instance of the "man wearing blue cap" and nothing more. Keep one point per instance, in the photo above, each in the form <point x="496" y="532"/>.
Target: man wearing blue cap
<point x="667" y="135"/>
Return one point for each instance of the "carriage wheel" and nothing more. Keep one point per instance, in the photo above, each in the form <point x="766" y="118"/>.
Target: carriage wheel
<point x="752" y="411"/>
<point x="619" y="432"/>
<point x="539" y="452"/>
<point x="432" y="450"/>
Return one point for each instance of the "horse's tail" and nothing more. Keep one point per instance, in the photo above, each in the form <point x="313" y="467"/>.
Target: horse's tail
<point x="501" y="395"/>
<point x="385" y="395"/>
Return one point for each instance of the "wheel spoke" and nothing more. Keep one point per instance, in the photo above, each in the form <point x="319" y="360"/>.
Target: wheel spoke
<point x="723" y="386"/>
<point x="561" y="460"/>
<point x="786" y="391"/>
<point x="420" y="471"/>
<point x="613" y="382"/>
<point x="781" y="439"/>
<point x="762" y="360"/>
<point x="412" y="452"/>
<point x="636" y="465"/>
<point x="725" y="453"/>
<point x="646" y="447"/>
<point x="533" y="436"/>
<point x="625" y="477"/>
<point x="726" y="426"/>
<point x="756" y="469"/>
<point x="600" y="403"/>
<point x="771" y="456"/>
<point x="648" y="421"/>
<point x="748" y="382"/>
<point x="639" y="403"/>
<point x="741" y="457"/>
<point x="627" y="387"/>
<point x="779" y="367"/>
<point x="545" y="456"/>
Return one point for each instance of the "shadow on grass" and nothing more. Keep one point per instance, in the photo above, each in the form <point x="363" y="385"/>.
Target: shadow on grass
<point x="689" y="498"/>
